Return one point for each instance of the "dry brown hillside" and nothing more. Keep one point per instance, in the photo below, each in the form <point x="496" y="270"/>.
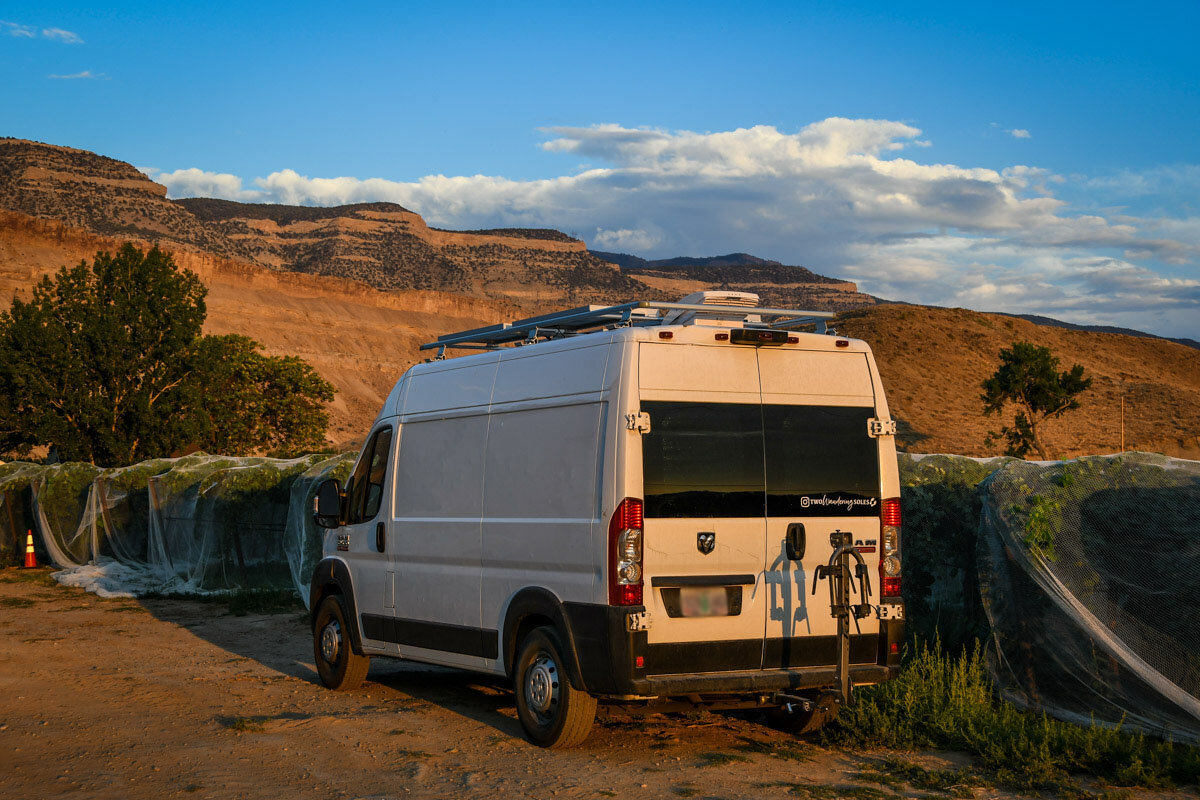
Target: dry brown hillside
<point x="359" y="338"/>
<point x="934" y="359"/>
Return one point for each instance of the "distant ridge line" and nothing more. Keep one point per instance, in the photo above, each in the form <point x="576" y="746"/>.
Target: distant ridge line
<point x="1051" y="322"/>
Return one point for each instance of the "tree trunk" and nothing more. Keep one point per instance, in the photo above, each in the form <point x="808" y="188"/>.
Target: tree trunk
<point x="1037" y="441"/>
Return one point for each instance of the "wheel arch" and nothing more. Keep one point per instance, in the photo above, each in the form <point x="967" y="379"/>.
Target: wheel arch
<point x="332" y="576"/>
<point x="530" y="608"/>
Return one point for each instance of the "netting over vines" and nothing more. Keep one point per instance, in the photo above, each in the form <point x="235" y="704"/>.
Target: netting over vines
<point x="191" y="525"/>
<point x="1083" y="575"/>
<point x="1090" y="574"/>
<point x="940" y="500"/>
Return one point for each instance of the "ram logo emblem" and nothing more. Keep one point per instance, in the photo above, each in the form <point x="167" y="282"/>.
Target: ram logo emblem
<point x="706" y="541"/>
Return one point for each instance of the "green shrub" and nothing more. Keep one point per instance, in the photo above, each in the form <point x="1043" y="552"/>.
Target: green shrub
<point x="948" y="703"/>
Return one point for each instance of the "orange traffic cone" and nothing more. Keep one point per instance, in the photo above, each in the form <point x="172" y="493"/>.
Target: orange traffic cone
<point x="30" y="556"/>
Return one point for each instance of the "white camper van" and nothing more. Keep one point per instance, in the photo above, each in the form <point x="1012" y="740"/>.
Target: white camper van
<point x="642" y="504"/>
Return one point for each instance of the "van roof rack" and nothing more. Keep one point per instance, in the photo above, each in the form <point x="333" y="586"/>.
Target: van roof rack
<point x="639" y="313"/>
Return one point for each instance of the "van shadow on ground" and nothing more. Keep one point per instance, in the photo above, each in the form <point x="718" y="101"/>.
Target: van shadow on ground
<point x="282" y="643"/>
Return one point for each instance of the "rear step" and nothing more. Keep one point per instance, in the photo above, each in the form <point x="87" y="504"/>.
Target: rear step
<point x="761" y="680"/>
<point x="823" y="702"/>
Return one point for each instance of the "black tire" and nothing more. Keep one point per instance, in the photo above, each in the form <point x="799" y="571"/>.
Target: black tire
<point x="552" y="712"/>
<point x="799" y="721"/>
<point x="338" y="666"/>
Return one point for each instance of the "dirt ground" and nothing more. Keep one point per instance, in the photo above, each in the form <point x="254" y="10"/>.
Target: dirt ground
<point x="155" y="698"/>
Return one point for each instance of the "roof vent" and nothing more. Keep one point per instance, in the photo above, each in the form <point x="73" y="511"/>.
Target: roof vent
<point x="714" y="298"/>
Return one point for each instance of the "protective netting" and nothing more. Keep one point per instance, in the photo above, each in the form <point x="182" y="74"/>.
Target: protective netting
<point x="940" y="504"/>
<point x="1083" y="575"/>
<point x="193" y="525"/>
<point x="1089" y="573"/>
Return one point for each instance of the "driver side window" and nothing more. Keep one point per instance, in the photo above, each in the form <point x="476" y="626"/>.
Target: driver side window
<point x="365" y="488"/>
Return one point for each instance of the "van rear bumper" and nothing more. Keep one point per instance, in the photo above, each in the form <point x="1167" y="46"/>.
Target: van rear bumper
<point x="613" y="660"/>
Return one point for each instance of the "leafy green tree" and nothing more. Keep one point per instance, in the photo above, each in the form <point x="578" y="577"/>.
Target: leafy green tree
<point x="257" y="402"/>
<point x="106" y="363"/>
<point x="1028" y="377"/>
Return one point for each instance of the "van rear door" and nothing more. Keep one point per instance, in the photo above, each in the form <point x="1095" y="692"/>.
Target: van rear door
<point x="822" y="476"/>
<point x="745" y="445"/>
<point x="704" y="545"/>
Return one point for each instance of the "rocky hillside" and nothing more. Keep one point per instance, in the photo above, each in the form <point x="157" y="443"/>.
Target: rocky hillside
<point x="390" y="247"/>
<point x="381" y="244"/>
<point x="97" y="194"/>
<point x="777" y="284"/>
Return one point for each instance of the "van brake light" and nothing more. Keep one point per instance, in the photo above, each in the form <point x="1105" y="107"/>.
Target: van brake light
<point x="625" y="531"/>
<point x="757" y="336"/>
<point x="890" y="515"/>
<point x="889" y="562"/>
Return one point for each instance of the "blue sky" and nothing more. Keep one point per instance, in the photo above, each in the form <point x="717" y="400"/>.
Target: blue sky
<point x="1012" y="158"/>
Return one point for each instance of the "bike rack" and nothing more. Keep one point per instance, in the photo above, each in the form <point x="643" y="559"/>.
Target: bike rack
<point x="841" y="581"/>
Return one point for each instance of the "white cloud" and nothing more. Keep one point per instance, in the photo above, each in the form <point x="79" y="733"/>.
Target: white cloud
<point x="59" y="35"/>
<point x="1019" y="133"/>
<point x="195" y="182"/>
<point x="18" y="30"/>
<point x="839" y="196"/>
<point x="87" y="74"/>
<point x="624" y="239"/>
<point x="22" y="31"/>
<point x="993" y="274"/>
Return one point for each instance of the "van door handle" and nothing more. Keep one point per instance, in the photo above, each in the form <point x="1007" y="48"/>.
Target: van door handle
<point x="380" y="537"/>
<point x="795" y="541"/>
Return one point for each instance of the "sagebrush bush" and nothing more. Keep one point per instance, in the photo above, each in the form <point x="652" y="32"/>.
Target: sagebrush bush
<point x="950" y="703"/>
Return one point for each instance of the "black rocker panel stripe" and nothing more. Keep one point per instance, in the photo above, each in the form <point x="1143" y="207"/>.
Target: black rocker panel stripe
<point x="432" y="635"/>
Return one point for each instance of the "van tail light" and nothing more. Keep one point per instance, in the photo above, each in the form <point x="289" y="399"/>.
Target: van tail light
<point x="889" y="561"/>
<point x="625" y="554"/>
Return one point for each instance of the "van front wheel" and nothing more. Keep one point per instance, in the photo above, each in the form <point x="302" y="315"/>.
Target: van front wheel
<point x="338" y="666"/>
<point x="552" y="712"/>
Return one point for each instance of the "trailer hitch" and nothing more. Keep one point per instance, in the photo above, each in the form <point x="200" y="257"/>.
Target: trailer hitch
<point x="841" y="582"/>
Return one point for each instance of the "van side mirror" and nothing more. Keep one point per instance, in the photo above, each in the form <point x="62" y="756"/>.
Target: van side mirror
<point x="327" y="507"/>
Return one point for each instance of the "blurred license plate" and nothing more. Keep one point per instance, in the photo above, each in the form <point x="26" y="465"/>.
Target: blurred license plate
<point x="703" y="601"/>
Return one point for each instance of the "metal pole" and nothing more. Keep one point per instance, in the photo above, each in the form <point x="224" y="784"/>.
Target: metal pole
<point x="1122" y="419"/>
<point x="843" y="667"/>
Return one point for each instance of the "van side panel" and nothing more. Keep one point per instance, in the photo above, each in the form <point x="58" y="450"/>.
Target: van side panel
<point x="449" y="385"/>
<point x="436" y="514"/>
<point x="435" y="546"/>
<point x="549" y="371"/>
<point x="542" y="475"/>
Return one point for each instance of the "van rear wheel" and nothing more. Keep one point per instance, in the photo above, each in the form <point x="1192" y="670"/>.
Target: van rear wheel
<point x="552" y="712"/>
<point x="338" y="666"/>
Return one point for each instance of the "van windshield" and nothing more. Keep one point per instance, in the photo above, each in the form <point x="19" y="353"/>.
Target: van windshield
<point x="743" y="460"/>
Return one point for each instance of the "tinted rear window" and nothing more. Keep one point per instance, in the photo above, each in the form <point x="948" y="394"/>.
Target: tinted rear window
<point x="703" y="460"/>
<point x="820" y="461"/>
<point x="742" y="460"/>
